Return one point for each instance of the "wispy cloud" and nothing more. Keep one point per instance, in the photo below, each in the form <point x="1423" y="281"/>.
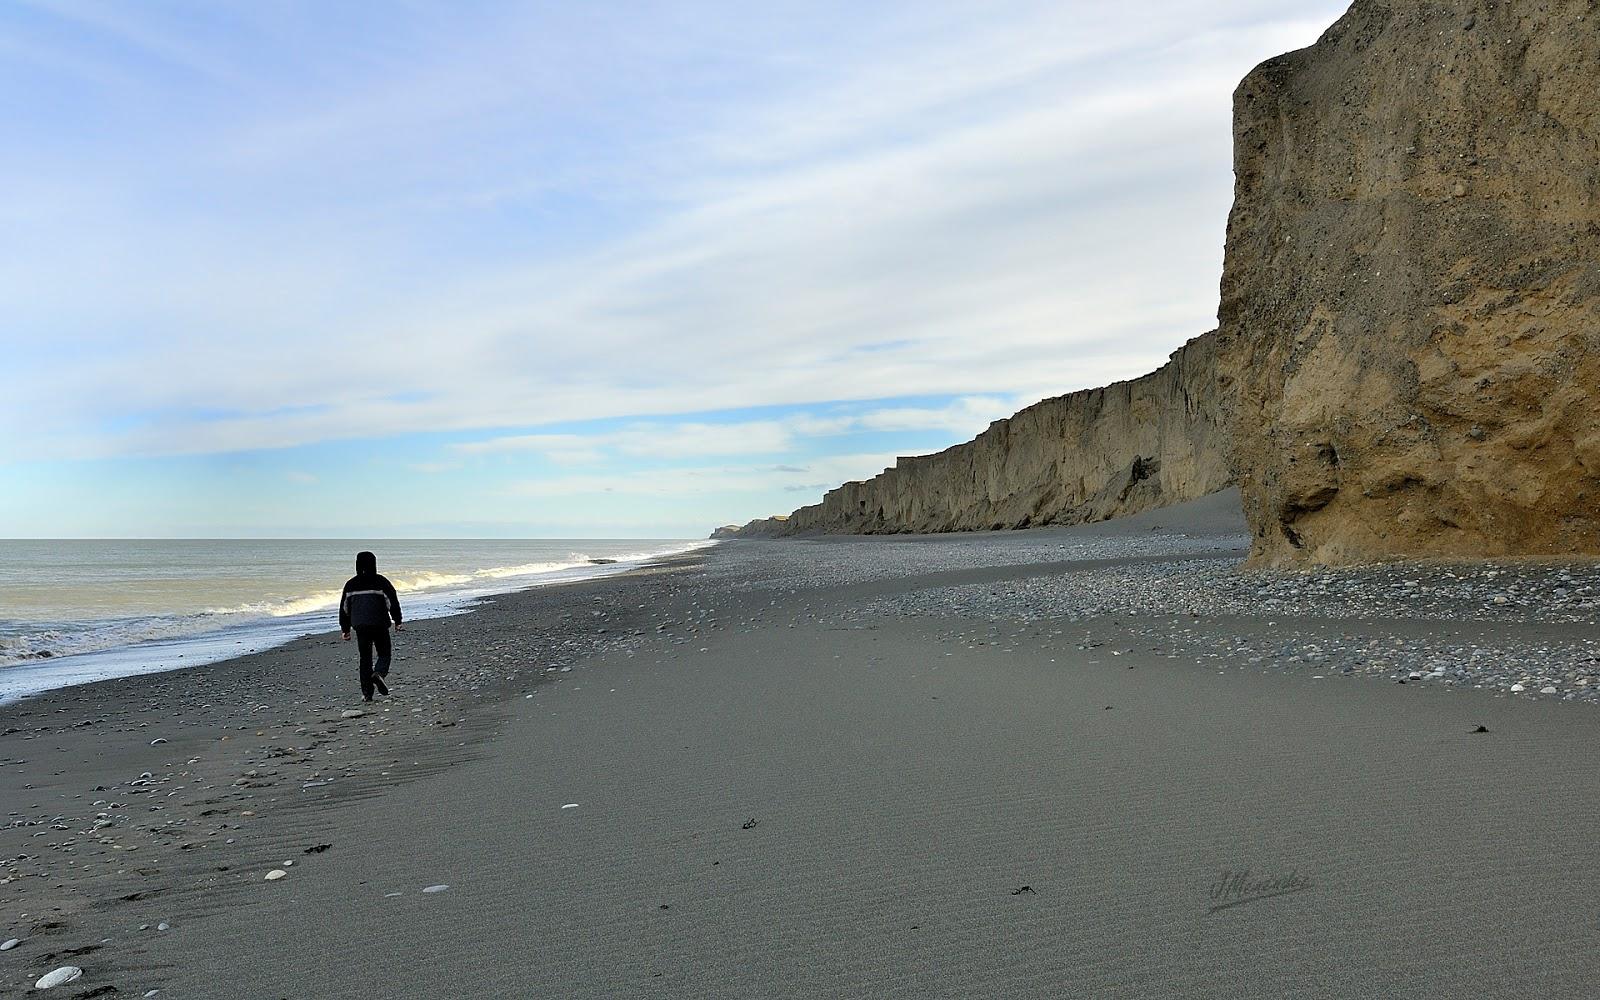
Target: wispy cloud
<point x="675" y="440"/>
<point x="689" y="439"/>
<point x="503" y="226"/>
<point x="1022" y="198"/>
<point x="731" y="483"/>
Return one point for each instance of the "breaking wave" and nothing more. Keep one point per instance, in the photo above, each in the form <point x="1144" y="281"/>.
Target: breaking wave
<point x="262" y="624"/>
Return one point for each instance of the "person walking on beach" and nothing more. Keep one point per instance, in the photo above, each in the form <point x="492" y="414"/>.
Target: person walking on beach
<point x="368" y="602"/>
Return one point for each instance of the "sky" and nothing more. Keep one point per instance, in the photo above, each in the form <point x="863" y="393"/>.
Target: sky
<point x="610" y="269"/>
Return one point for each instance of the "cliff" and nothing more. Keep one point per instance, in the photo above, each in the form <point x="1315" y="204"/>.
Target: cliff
<point x="1085" y="456"/>
<point x="1408" y="357"/>
<point x="1412" y="285"/>
<point x="767" y="526"/>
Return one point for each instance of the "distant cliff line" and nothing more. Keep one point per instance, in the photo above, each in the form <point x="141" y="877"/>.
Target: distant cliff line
<point x="1085" y="456"/>
<point x="1408" y="357"/>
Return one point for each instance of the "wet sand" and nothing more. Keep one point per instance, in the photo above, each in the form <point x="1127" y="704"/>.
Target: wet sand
<point x="784" y="787"/>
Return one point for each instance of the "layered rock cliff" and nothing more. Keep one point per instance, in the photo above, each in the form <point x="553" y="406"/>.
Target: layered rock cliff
<point x="1085" y="456"/>
<point x="1412" y="285"/>
<point x="1408" y="361"/>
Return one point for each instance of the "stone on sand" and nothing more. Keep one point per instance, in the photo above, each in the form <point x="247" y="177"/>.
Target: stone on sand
<point x="59" y="977"/>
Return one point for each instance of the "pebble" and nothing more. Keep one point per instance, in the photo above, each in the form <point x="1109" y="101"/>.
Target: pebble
<point x="1517" y="689"/>
<point x="276" y="874"/>
<point x="9" y="943"/>
<point x="1547" y="689"/>
<point x="61" y="976"/>
<point x="1172" y="593"/>
<point x="570" y="805"/>
<point x="435" y="888"/>
<point x="351" y="713"/>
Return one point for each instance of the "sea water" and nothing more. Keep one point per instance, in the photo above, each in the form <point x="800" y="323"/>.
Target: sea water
<point x="75" y="611"/>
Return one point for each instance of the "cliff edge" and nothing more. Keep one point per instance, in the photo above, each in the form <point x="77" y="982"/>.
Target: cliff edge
<point x="1412" y="285"/>
<point x="1085" y="456"/>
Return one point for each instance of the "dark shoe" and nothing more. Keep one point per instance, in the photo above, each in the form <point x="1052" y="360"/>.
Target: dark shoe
<point x="378" y="683"/>
<point x="367" y="696"/>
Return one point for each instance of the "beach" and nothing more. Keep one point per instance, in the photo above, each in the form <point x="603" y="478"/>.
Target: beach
<point x="1098" y="761"/>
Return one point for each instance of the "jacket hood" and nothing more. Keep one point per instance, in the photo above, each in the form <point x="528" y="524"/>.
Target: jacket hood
<point x="366" y="562"/>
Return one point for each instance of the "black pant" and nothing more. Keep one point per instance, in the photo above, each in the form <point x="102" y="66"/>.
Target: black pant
<point x="367" y="638"/>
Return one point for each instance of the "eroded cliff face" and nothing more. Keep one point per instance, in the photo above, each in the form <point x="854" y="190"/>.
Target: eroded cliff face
<point x="1085" y="456"/>
<point x="1408" y="363"/>
<point x="1412" y="285"/>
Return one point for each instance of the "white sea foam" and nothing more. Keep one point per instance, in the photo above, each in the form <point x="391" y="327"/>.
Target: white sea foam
<point x="37" y="655"/>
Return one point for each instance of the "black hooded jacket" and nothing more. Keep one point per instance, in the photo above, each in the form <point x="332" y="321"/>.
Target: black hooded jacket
<point x="368" y="600"/>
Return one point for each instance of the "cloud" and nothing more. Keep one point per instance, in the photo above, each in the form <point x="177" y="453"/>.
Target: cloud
<point x="303" y="478"/>
<point x="966" y="416"/>
<point x="539" y="218"/>
<point x="646" y="440"/>
<point x="671" y="440"/>
<point x="728" y="483"/>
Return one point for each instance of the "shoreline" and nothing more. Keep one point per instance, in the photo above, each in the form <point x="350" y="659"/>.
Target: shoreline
<point x="771" y="682"/>
<point x="97" y="827"/>
<point x="31" y="676"/>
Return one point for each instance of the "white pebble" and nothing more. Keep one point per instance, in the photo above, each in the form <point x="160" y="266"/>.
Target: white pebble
<point x="276" y="874"/>
<point x="351" y="713"/>
<point x="1415" y="676"/>
<point x="163" y="926"/>
<point x="9" y="943"/>
<point x="1547" y="689"/>
<point x="1517" y="689"/>
<point x="436" y="888"/>
<point x="570" y="805"/>
<point x="65" y="974"/>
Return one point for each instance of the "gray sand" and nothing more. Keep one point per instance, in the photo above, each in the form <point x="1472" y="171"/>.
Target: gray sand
<point x="951" y="797"/>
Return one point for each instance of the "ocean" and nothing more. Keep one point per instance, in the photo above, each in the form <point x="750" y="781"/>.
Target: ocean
<point x="75" y="611"/>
